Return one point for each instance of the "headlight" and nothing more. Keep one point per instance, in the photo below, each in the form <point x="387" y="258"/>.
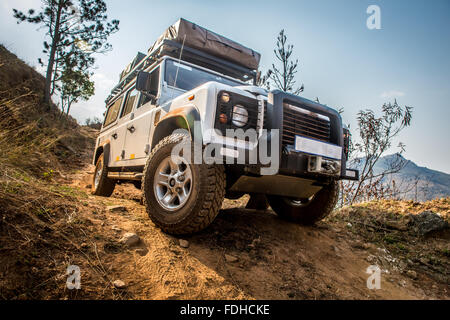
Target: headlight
<point x="240" y="116"/>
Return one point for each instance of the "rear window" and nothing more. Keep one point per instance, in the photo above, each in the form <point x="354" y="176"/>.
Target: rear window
<point x="113" y="111"/>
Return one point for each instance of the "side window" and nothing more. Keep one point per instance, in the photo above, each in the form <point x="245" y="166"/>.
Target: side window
<point x="155" y="83"/>
<point x="113" y="111"/>
<point x="129" y="102"/>
<point x="144" y="100"/>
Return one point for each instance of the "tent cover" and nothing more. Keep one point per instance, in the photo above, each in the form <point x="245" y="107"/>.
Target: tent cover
<point x="207" y="41"/>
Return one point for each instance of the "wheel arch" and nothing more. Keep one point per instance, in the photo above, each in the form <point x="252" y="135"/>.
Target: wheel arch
<point x="103" y="149"/>
<point x="181" y="118"/>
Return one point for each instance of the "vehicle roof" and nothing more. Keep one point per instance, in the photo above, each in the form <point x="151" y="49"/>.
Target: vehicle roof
<point x="195" y="57"/>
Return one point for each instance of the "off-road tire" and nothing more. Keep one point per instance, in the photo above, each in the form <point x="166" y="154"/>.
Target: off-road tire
<point x="205" y="200"/>
<point x="322" y="204"/>
<point x="106" y="186"/>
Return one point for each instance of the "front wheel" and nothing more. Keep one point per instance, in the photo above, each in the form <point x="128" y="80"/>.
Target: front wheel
<point x="307" y="211"/>
<point x="181" y="197"/>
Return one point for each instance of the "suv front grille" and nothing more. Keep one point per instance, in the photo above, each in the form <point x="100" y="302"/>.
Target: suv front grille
<point x="298" y="121"/>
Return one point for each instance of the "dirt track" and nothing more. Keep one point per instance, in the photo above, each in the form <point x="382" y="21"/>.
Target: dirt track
<point x="275" y="259"/>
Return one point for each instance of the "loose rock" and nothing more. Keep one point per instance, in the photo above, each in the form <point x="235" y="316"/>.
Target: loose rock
<point x="116" y="209"/>
<point x="427" y="222"/>
<point x="119" y="284"/>
<point x="230" y="258"/>
<point x="361" y="245"/>
<point x="412" y="274"/>
<point x="396" y="225"/>
<point x="115" y="228"/>
<point x="142" y="251"/>
<point x="130" y="239"/>
<point x="184" y="243"/>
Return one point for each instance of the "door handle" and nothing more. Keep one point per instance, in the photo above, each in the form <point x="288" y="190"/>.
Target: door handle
<point x="131" y="129"/>
<point x="115" y="136"/>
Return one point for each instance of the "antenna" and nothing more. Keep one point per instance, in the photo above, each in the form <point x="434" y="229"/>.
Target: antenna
<point x="178" y="68"/>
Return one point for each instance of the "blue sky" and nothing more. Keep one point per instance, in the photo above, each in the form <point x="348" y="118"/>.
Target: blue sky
<point x="341" y="61"/>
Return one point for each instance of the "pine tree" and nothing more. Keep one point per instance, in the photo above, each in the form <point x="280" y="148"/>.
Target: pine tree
<point x="76" y="29"/>
<point x="284" y="77"/>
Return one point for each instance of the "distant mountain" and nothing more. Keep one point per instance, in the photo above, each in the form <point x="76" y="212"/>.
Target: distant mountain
<point x="415" y="182"/>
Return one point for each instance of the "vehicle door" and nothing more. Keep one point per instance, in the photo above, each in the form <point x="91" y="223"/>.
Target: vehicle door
<point x="124" y="126"/>
<point x="140" y="127"/>
<point x="111" y="130"/>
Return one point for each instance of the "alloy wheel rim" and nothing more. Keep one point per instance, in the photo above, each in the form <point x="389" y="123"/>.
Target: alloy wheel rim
<point x="172" y="183"/>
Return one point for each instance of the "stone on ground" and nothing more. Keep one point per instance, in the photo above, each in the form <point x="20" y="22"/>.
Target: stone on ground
<point x="130" y="239"/>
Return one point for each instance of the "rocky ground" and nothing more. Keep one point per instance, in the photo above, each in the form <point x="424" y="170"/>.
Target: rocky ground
<point x="247" y="254"/>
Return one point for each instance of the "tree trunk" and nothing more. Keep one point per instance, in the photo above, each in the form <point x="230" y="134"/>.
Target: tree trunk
<point x="51" y="61"/>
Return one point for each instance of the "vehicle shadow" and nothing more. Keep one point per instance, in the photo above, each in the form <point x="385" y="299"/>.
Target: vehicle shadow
<point x="262" y="255"/>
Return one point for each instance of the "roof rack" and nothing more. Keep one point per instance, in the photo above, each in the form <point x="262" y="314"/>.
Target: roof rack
<point x="172" y="49"/>
<point x="127" y="79"/>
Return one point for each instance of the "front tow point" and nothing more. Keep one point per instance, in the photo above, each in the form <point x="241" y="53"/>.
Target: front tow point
<point x="317" y="164"/>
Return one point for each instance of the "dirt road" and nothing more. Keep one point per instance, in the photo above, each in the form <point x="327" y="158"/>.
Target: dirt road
<point x="244" y="255"/>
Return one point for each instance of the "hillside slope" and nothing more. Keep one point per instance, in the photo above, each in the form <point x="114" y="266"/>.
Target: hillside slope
<point x="37" y="146"/>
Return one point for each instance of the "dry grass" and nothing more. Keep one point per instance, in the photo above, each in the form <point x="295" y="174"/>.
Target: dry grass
<point x="40" y="221"/>
<point x="441" y="206"/>
<point x="384" y="223"/>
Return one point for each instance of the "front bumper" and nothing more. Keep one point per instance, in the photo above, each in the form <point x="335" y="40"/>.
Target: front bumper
<point x="292" y="162"/>
<point x="302" y="164"/>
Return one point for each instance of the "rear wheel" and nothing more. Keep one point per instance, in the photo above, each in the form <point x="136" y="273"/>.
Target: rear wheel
<point x="181" y="197"/>
<point x="101" y="184"/>
<point x="307" y="211"/>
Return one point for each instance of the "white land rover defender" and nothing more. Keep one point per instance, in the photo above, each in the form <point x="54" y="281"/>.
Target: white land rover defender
<point x="196" y="89"/>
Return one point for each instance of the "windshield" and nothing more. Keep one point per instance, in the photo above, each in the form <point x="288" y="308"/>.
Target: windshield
<point x="190" y="77"/>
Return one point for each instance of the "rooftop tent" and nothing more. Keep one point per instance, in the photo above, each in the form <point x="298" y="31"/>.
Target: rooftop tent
<point x="201" y="47"/>
<point x="209" y="42"/>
